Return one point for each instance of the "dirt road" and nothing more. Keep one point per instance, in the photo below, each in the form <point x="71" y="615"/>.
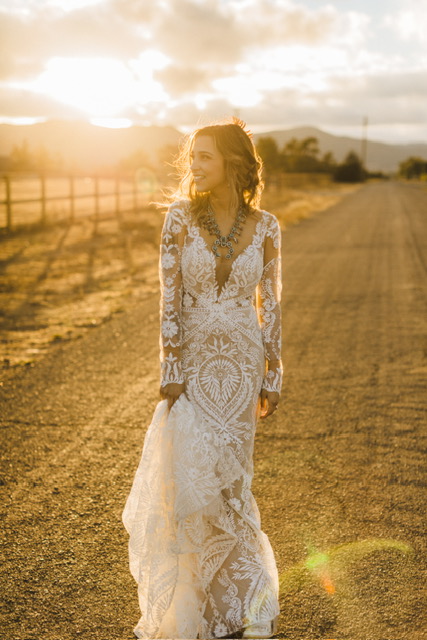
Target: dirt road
<point x="340" y="469"/>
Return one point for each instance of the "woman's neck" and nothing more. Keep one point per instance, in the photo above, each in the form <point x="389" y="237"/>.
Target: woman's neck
<point x="221" y="204"/>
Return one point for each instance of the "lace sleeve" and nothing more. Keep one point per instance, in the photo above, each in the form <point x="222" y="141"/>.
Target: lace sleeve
<point x="172" y="240"/>
<point x="269" y="293"/>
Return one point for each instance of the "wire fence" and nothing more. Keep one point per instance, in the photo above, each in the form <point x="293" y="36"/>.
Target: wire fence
<point x="28" y="199"/>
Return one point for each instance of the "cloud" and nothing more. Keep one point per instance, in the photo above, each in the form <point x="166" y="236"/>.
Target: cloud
<point x="95" y="31"/>
<point x="385" y="98"/>
<point x="196" y="35"/>
<point x="199" y="34"/>
<point x="17" y="59"/>
<point x="140" y="11"/>
<point x="272" y="23"/>
<point x="220" y="35"/>
<point x="186" y="112"/>
<point x="411" y="85"/>
<point x="209" y="42"/>
<point x="180" y="81"/>
<point x="410" y="22"/>
<point x="28" y="41"/>
<point x="285" y="22"/>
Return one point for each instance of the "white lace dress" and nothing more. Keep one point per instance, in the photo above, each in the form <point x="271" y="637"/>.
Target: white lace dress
<point x="203" y="566"/>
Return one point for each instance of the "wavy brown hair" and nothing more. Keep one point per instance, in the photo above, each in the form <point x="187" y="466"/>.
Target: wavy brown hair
<point x="243" y="166"/>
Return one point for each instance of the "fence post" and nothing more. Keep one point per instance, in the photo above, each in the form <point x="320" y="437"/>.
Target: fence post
<point x="71" y="191"/>
<point x="8" y="204"/>
<point x="96" y="197"/>
<point x="117" y="195"/>
<point x="118" y="208"/>
<point x="43" y="198"/>
<point x="135" y="192"/>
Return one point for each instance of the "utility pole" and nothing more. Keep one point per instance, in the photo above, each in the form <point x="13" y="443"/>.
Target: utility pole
<point x="364" y="146"/>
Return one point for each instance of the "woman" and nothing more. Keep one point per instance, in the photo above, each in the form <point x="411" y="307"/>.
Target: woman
<point x="204" y="567"/>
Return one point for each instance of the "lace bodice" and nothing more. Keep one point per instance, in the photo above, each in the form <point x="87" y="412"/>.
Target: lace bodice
<point x="189" y="283"/>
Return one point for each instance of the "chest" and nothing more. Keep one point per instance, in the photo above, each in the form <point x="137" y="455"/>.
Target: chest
<point x="205" y="273"/>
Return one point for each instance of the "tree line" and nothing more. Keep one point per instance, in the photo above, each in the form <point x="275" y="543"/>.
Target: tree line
<point x="413" y="168"/>
<point x="303" y="156"/>
<point x="24" y="158"/>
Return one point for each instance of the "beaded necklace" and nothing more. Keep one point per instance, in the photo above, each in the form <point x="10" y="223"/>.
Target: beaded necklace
<point x="209" y="223"/>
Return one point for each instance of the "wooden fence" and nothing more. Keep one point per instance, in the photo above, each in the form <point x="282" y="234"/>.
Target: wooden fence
<point x="27" y="199"/>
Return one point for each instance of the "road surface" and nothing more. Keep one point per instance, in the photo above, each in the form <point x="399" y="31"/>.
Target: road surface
<point x="339" y="469"/>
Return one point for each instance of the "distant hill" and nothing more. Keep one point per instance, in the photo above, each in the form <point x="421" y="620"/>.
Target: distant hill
<point x="380" y="156"/>
<point x="88" y="147"/>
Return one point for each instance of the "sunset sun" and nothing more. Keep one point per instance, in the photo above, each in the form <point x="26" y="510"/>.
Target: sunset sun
<point x="100" y="87"/>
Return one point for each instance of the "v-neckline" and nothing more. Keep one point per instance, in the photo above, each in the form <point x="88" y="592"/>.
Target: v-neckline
<point x="220" y="290"/>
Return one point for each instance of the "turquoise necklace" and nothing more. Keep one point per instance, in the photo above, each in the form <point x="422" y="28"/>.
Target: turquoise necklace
<point x="209" y="223"/>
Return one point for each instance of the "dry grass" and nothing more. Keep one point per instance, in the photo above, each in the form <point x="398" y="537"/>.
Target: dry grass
<point x="301" y="199"/>
<point x="58" y="281"/>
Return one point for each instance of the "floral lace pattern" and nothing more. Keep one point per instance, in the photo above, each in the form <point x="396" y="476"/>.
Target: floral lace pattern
<point x="204" y="567"/>
<point x="187" y="268"/>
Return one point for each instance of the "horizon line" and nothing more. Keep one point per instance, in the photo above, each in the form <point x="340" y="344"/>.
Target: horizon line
<point x="256" y="129"/>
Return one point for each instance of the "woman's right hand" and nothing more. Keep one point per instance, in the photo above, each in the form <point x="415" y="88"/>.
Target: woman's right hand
<point x="171" y="392"/>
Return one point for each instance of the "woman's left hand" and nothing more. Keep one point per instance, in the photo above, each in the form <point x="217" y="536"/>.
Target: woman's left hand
<point x="269" y="402"/>
<point x="171" y="392"/>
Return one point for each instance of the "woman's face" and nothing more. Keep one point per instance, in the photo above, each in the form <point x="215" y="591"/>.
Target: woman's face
<point x="207" y="165"/>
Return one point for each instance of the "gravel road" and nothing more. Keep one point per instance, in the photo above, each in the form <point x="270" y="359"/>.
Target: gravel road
<point x="340" y="469"/>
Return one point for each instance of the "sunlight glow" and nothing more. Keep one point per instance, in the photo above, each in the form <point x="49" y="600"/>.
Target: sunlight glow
<point x="101" y="87"/>
<point x="21" y="121"/>
<point x="72" y="5"/>
<point x="201" y="100"/>
<point x="238" y="90"/>
<point x="112" y="123"/>
<point x="149" y="90"/>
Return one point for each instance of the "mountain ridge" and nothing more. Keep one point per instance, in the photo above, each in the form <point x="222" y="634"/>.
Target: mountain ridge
<point x="380" y="156"/>
<point x="89" y="146"/>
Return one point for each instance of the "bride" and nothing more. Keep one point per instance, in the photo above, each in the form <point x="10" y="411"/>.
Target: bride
<point x="203" y="566"/>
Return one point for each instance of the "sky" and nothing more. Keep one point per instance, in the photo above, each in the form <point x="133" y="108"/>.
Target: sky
<point x="274" y="63"/>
